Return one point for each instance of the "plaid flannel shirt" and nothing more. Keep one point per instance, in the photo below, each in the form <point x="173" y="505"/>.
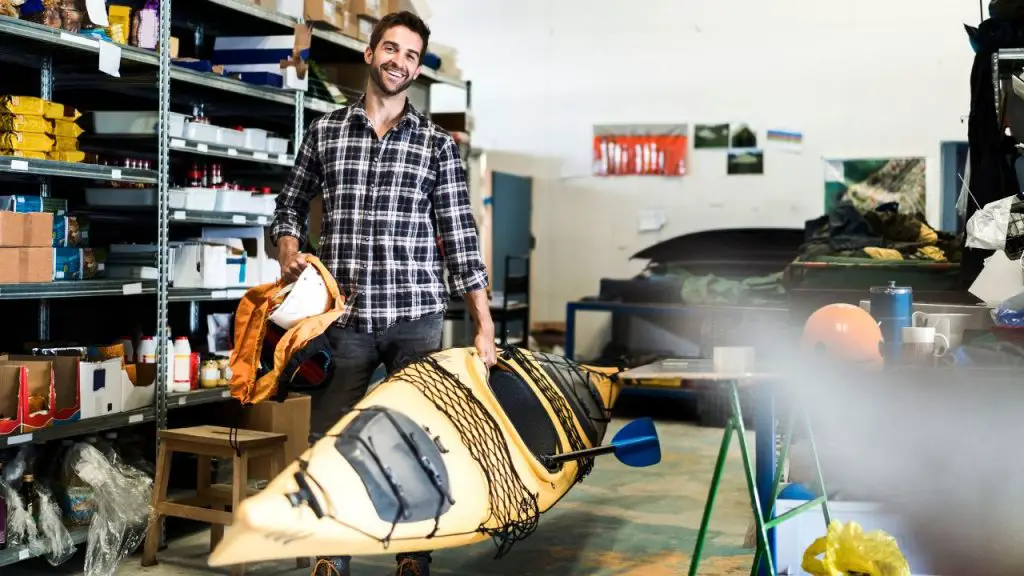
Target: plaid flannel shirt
<point x="386" y="203"/>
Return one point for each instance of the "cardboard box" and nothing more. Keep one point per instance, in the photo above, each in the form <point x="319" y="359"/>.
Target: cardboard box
<point x="67" y="403"/>
<point x="370" y="8"/>
<point x="10" y="400"/>
<point x="22" y="265"/>
<point x="325" y="13"/>
<point x="348" y="24"/>
<point x="100" y="387"/>
<point x="365" y="25"/>
<point x="22" y="203"/>
<point x="26" y="229"/>
<point x="75" y="264"/>
<point x="138" y="386"/>
<point x="290" y="417"/>
<point x="29" y="379"/>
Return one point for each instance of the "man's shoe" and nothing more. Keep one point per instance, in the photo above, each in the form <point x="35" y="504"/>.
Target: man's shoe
<point x="331" y="567"/>
<point x="413" y="565"/>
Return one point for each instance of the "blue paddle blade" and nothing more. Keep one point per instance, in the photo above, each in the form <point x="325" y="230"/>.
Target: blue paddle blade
<point x="637" y="445"/>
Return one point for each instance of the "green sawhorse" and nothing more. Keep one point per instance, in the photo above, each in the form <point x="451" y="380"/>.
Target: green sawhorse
<point x="734" y="424"/>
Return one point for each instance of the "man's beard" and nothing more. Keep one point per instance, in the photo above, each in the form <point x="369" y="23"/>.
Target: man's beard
<point x="377" y="74"/>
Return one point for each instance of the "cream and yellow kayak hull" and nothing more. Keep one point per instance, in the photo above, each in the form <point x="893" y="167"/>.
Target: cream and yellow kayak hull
<point x="443" y="453"/>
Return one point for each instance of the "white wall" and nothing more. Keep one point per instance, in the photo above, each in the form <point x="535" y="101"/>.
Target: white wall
<point x="865" y="78"/>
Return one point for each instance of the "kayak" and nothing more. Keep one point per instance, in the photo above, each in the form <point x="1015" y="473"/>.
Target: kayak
<point x="443" y="453"/>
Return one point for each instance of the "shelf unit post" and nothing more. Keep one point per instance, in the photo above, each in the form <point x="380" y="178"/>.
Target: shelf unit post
<point x="163" y="212"/>
<point x="300" y="106"/>
<point x="45" y="92"/>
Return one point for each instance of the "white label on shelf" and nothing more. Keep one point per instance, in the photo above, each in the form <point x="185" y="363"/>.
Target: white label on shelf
<point x="225" y="394"/>
<point x="179" y="215"/>
<point x="115" y="174"/>
<point x="19" y="165"/>
<point x="202" y="147"/>
<point x="261" y="220"/>
<point x="260" y="155"/>
<point x="235" y="294"/>
<point x="282" y="159"/>
<point x="13" y="440"/>
<point x="23" y="554"/>
<point x="110" y="59"/>
<point x="232" y="152"/>
<point x="219" y="294"/>
<point x="177" y="143"/>
<point x="132" y="289"/>
<point x="238" y="219"/>
<point x="135" y="418"/>
<point x="182" y="400"/>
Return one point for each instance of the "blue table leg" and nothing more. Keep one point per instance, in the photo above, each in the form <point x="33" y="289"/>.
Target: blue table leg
<point x="570" y="330"/>
<point x="764" y="464"/>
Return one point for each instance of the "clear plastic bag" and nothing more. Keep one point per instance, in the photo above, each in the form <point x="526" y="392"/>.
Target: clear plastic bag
<point x="847" y="549"/>
<point x="55" y="542"/>
<point x="21" y="528"/>
<point x="986" y="228"/>
<point x="122" y="505"/>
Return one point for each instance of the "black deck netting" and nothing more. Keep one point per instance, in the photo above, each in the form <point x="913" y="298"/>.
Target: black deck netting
<point x="558" y="403"/>
<point x="513" y="508"/>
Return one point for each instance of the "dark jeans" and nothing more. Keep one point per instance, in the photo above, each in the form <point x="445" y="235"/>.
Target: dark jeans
<point x="357" y="356"/>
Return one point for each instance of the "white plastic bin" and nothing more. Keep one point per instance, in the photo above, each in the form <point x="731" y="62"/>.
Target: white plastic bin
<point x="793" y="536"/>
<point x="277" y="145"/>
<point x="255" y="139"/>
<point x="176" y="199"/>
<point x="230" y="137"/>
<point x="233" y="201"/>
<point x="199" y="132"/>
<point x="204" y="199"/>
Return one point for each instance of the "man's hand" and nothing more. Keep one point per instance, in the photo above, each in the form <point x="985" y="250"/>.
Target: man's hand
<point x="291" y="260"/>
<point x="484" y="343"/>
<point x="480" y="309"/>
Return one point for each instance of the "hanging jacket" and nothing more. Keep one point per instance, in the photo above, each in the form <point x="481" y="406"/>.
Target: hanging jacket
<point x="300" y="355"/>
<point x="992" y="153"/>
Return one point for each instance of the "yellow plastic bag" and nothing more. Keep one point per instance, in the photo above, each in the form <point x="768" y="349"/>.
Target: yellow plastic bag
<point x="847" y="550"/>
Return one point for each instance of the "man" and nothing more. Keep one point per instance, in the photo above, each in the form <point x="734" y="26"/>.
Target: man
<point x="392" y="184"/>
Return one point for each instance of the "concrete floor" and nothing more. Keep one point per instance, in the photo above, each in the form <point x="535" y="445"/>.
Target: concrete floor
<point x="619" y="521"/>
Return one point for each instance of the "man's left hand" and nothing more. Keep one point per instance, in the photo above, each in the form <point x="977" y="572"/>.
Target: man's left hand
<point x="485" y="347"/>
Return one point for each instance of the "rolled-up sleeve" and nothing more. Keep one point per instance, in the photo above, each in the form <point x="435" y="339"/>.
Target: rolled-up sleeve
<point x="301" y="187"/>
<point x="456" y="225"/>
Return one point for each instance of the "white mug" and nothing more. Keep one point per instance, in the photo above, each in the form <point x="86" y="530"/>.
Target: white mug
<point x="925" y="340"/>
<point x="951" y="326"/>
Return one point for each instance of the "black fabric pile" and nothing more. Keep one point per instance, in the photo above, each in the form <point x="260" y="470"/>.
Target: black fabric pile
<point x="879" y="234"/>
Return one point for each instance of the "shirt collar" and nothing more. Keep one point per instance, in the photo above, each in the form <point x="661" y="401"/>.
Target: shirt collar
<point x="410" y="115"/>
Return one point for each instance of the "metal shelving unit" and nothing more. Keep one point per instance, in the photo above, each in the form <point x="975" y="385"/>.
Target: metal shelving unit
<point x="42" y="47"/>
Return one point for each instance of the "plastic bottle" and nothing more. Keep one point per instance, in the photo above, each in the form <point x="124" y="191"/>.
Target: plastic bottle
<point x="147" y="350"/>
<point x="182" y="365"/>
<point x="169" y="364"/>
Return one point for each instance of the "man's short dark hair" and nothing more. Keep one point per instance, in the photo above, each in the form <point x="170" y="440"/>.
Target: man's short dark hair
<point x="403" y="18"/>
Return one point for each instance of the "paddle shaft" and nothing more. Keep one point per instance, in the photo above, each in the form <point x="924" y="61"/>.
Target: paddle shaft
<point x="598" y="450"/>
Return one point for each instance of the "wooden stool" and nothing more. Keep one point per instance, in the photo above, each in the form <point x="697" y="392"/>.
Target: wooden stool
<point x="209" y="442"/>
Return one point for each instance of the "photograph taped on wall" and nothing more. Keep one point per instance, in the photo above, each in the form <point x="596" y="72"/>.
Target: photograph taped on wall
<point x="711" y="136"/>
<point x="640" y="149"/>
<point x="869" y="182"/>
<point x="743" y="136"/>
<point x="746" y="161"/>
<point x="787" y="140"/>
